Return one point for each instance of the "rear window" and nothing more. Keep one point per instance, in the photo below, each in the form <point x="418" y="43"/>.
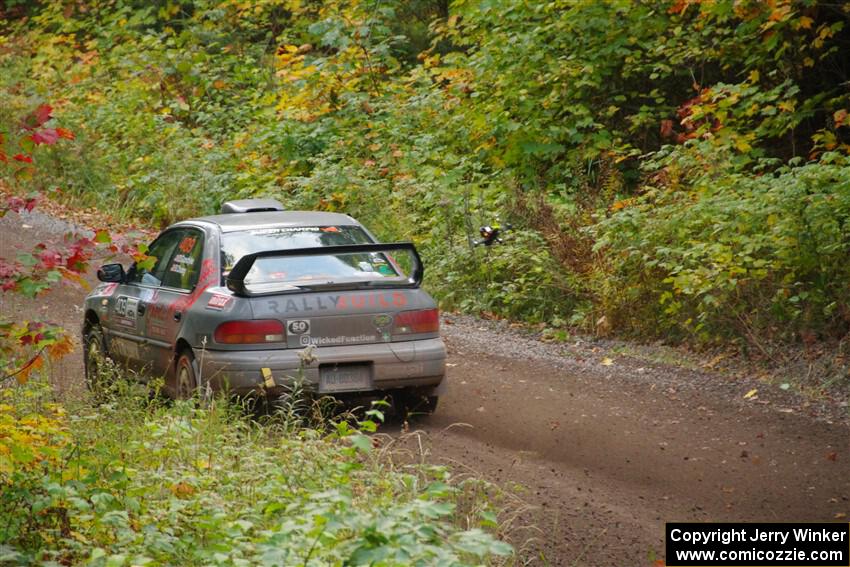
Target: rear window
<point x="234" y="245"/>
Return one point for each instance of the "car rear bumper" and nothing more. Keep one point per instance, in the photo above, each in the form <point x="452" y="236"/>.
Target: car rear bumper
<point x="420" y="364"/>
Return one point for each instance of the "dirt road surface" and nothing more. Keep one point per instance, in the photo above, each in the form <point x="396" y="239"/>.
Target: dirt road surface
<point x="600" y="448"/>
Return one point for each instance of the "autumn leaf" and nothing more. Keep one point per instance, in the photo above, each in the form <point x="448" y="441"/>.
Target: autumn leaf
<point x="65" y="133"/>
<point x="64" y="345"/>
<point x="751" y="394"/>
<point x="38" y="117"/>
<point x="26" y="370"/>
<point x="42" y="114"/>
<point x="182" y="489"/>
<point x="22" y="157"/>
<point x="47" y="136"/>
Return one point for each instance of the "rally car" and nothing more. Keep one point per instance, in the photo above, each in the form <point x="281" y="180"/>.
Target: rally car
<point x="251" y="300"/>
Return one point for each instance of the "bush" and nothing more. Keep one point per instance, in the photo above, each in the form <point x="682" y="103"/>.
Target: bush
<point x="134" y="481"/>
<point x="739" y="255"/>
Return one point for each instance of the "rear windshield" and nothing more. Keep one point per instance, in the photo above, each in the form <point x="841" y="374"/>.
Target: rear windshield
<point x="234" y="245"/>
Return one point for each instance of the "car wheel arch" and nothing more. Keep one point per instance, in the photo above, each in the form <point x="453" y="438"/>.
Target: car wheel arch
<point x="90" y="320"/>
<point x="180" y="346"/>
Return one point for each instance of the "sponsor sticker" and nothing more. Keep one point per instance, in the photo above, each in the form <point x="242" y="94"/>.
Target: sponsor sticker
<point x="106" y="289"/>
<point x="299" y="327"/>
<point x="125" y="309"/>
<point x="307" y="340"/>
<point x="187" y="244"/>
<point x="183" y="259"/>
<point x="218" y="301"/>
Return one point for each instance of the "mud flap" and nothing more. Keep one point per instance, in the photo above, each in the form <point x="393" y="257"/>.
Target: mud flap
<point x="442" y="388"/>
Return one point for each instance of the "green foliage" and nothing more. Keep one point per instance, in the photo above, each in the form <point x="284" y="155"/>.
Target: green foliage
<point x="427" y="119"/>
<point x="135" y="482"/>
<point x="738" y="254"/>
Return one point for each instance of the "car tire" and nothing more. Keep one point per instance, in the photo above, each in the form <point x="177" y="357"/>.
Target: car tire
<point x="94" y="355"/>
<point x="185" y="379"/>
<point x="418" y="404"/>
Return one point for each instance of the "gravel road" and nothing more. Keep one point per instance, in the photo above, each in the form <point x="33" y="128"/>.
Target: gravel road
<point x="598" y="449"/>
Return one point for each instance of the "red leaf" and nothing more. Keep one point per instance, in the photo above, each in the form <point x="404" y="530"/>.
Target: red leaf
<point x="22" y="157"/>
<point x="49" y="259"/>
<point x="48" y="136"/>
<point x="64" y="133"/>
<point x="42" y="114"/>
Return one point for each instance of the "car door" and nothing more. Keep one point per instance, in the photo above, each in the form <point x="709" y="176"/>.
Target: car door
<point x="176" y="293"/>
<point x="128" y="309"/>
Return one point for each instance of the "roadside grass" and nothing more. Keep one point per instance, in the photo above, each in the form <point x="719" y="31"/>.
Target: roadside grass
<point x="131" y="479"/>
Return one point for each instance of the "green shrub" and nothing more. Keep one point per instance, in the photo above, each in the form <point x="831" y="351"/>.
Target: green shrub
<point x="134" y="481"/>
<point x="739" y="255"/>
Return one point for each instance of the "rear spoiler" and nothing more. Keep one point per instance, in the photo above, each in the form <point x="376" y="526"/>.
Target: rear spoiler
<point x="235" y="280"/>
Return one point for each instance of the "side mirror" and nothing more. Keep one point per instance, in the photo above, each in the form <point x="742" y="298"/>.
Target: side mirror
<point x="111" y="273"/>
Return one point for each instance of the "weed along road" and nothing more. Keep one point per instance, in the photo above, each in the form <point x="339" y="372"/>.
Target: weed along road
<point x="597" y="449"/>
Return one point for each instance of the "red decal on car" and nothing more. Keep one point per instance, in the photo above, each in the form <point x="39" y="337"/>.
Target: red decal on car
<point x="218" y="301"/>
<point x="108" y="289"/>
<point x="207" y="278"/>
<point x="187" y="244"/>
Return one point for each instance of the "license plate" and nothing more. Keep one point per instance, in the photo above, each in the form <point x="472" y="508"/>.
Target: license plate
<point x="345" y="378"/>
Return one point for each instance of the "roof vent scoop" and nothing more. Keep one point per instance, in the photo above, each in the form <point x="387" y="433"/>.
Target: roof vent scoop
<point x="251" y="206"/>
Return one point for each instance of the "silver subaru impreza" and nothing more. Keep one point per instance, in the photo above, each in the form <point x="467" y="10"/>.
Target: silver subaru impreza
<point x="233" y="301"/>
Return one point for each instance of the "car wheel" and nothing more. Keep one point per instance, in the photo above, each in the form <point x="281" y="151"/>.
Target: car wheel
<point x="415" y="403"/>
<point x="94" y="356"/>
<point x="185" y="381"/>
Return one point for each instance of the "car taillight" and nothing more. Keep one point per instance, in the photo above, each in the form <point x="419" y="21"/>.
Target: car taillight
<point x="250" y="332"/>
<point x="420" y="321"/>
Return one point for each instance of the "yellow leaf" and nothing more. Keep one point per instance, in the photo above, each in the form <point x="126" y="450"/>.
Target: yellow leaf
<point x="751" y="394"/>
<point x="742" y="145"/>
<point x="805" y="22"/>
<point x="182" y="489"/>
<point x="754" y="76"/>
<point x="607" y="362"/>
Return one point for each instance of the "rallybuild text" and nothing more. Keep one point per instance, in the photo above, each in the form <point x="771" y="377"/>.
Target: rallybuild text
<point x="758" y="544"/>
